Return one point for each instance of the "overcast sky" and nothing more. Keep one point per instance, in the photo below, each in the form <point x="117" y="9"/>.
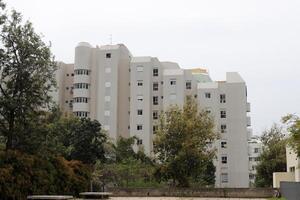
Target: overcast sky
<point x="260" y="39"/>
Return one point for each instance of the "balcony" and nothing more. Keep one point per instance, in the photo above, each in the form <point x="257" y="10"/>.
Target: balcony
<point x="248" y="107"/>
<point x="248" y="121"/>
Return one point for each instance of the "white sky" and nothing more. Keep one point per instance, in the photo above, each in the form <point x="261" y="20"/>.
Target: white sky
<point x="260" y="39"/>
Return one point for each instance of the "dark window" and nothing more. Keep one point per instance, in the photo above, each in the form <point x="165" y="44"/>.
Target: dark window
<point x="222" y="98"/>
<point x="155" y="100"/>
<point x="108" y="55"/>
<point x="223" y="114"/>
<point x="155" y="114"/>
<point x="155" y="72"/>
<point x="223" y="128"/>
<point x="139" y="127"/>
<point x="224" y="159"/>
<point x="155" y="86"/>
<point x="188" y="85"/>
<point x="224" y="144"/>
<point x="139" y="142"/>
<point x="207" y="95"/>
<point x="140" y="112"/>
<point x="173" y="82"/>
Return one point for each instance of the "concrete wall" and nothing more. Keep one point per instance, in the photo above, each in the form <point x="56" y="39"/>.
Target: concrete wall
<point x="282" y="176"/>
<point x="194" y="192"/>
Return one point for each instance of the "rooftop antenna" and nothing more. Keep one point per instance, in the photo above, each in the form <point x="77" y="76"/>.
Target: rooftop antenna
<point x="110" y="39"/>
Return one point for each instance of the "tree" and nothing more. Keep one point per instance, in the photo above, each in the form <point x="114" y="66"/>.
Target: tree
<point x="123" y="148"/>
<point x="87" y="141"/>
<point x="273" y="156"/>
<point x="293" y="123"/>
<point x="26" y="79"/>
<point x="181" y="143"/>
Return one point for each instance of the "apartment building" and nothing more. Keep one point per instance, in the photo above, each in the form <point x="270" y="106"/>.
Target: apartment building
<point x="126" y="95"/>
<point x="255" y="149"/>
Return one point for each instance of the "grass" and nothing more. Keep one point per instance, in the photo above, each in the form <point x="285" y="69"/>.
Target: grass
<point x="274" y="198"/>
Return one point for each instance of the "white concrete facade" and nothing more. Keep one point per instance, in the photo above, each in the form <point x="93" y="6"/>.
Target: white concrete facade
<point x="255" y="149"/>
<point x="127" y="94"/>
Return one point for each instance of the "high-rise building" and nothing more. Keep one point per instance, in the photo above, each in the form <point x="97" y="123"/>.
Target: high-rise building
<point x="126" y="95"/>
<point x="255" y="149"/>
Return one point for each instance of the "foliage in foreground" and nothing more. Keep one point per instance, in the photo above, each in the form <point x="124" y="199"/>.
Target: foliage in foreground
<point x="293" y="123"/>
<point x="181" y="146"/>
<point x="272" y="158"/>
<point x="23" y="174"/>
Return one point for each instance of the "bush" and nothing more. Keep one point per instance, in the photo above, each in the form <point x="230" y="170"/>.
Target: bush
<point x="23" y="174"/>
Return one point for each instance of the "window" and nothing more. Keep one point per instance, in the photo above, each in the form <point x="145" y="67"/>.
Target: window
<point x="292" y="169"/>
<point x="207" y="95"/>
<point x="155" y="100"/>
<point x="223" y="114"/>
<point x="256" y="150"/>
<point x="251" y="176"/>
<point x="81" y="114"/>
<point x="67" y="101"/>
<point x="107" y="84"/>
<point x="107" y="70"/>
<point x="223" y="144"/>
<point x="81" y="99"/>
<point x="155" y="128"/>
<point x="139" y="68"/>
<point x="224" y="177"/>
<point x="67" y="74"/>
<point x="188" y="85"/>
<point x="108" y="55"/>
<point x="72" y="74"/>
<point x="67" y="88"/>
<point x="155" y="72"/>
<point x="222" y="98"/>
<point x="208" y="110"/>
<point x="172" y="96"/>
<point x="139" y="142"/>
<point x="139" y="112"/>
<point x="155" y="86"/>
<point x="223" y="128"/>
<point x="81" y="85"/>
<point x="140" y="82"/>
<point x="155" y="114"/>
<point x="224" y="159"/>
<point x="173" y="82"/>
<point x="139" y="127"/>
<point x="81" y="72"/>
<point x="140" y="97"/>
<point x="107" y="98"/>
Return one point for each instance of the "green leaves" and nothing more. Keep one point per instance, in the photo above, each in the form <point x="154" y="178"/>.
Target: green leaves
<point x="293" y="127"/>
<point x="180" y="144"/>
<point x="273" y="156"/>
<point x="26" y="79"/>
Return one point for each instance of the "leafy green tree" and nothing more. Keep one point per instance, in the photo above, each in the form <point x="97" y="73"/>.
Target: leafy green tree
<point x="123" y="148"/>
<point x="293" y="123"/>
<point x="181" y="143"/>
<point x="273" y="156"/>
<point x="87" y="141"/>
<point x="26" y="79"/>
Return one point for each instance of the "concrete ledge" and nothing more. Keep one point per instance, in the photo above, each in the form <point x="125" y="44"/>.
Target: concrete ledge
<point x="193" y="192"/>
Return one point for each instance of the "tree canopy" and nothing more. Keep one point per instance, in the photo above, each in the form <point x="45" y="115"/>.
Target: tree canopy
<point x="293" y="123"/>
<point x="27" y="78"/>
<point x="273" y="156"/>
<point x="181" y="143"/>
